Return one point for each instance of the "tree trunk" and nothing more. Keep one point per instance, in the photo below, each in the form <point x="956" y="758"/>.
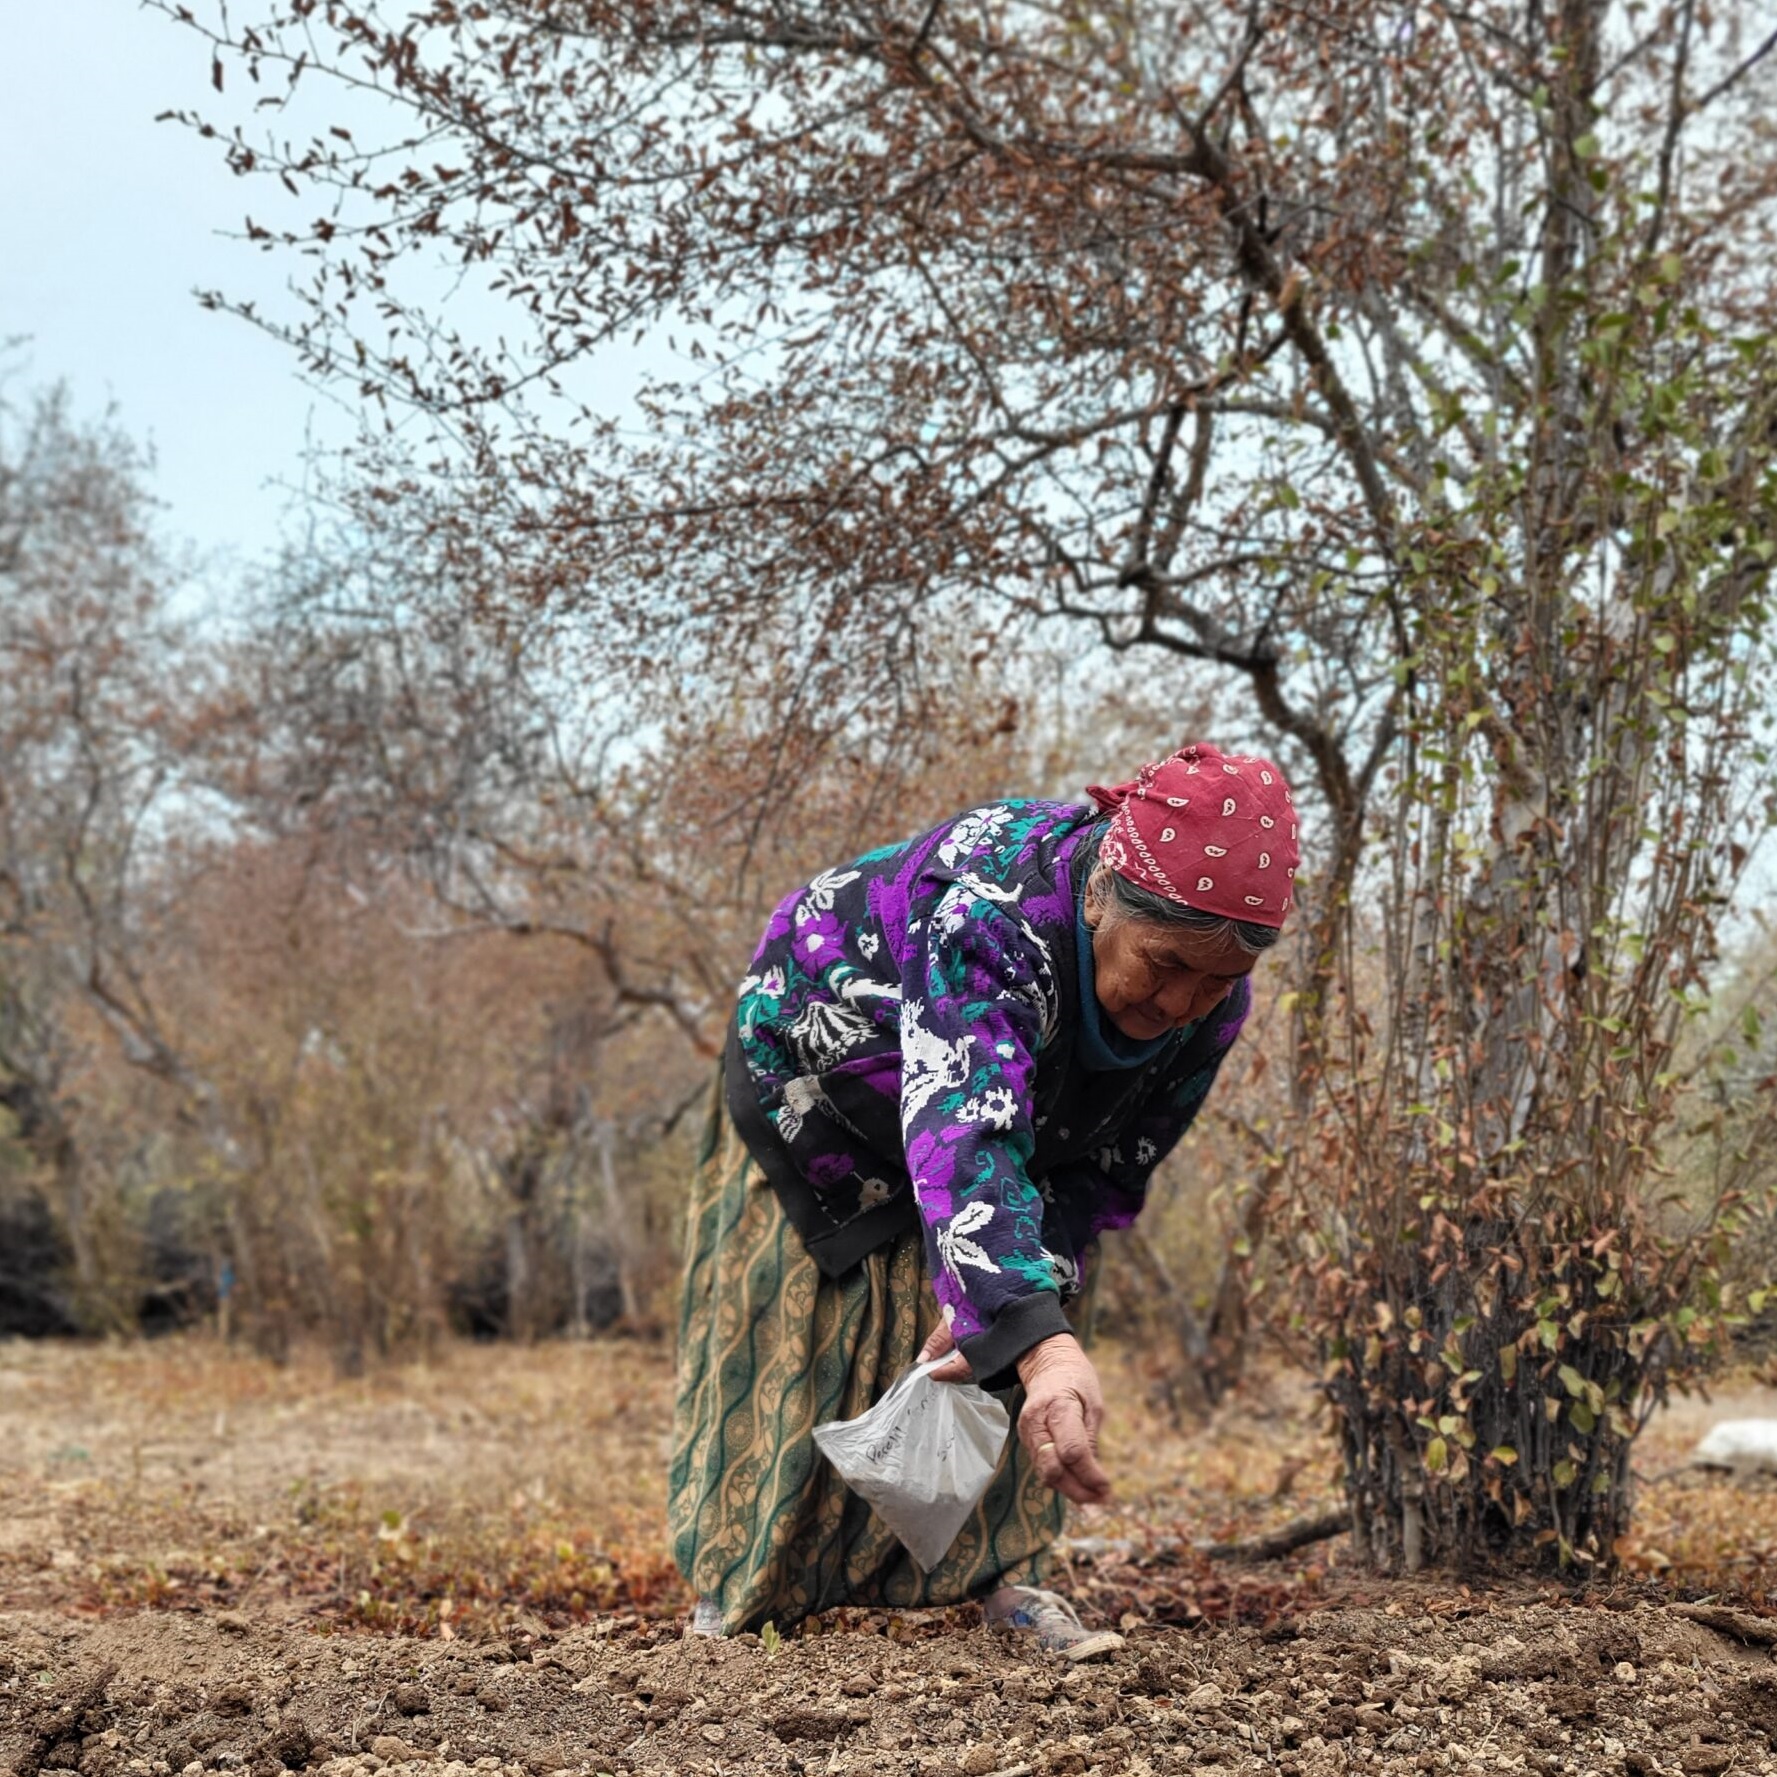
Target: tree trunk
<point x="618" y="1222"/>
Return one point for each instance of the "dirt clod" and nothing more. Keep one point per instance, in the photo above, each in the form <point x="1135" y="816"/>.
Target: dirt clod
<point x="1704" y="1761"/>
<point x="1571" y="1702"/>
<point x="1754" y="1701"/>
<point x="808" y="1724"/>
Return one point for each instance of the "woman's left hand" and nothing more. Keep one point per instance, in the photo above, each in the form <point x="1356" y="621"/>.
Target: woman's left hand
<point x="941" y="1341"/>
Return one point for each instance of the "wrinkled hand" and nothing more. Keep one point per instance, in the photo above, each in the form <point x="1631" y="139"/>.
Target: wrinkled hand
<point x="1063" y="1409"/>
<point x="941" y="1341"/>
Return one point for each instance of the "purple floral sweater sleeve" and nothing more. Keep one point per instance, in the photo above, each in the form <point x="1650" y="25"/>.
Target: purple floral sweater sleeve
<point x="977" y="1009"/>
<point x="905" y="1052"/>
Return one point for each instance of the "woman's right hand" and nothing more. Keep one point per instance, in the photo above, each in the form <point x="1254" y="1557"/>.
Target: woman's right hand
<point x="1063" y="1410"/>
<point x="942" y="1341"/>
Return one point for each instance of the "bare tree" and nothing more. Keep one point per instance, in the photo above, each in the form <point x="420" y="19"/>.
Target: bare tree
<point x="87" y="740"/>
<point x="1406" y="369"/>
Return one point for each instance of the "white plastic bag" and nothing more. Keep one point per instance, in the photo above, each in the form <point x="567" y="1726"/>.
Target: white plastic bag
<point x="923" y="1456"/>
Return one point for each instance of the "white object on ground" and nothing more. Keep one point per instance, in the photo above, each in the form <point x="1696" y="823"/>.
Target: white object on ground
<point x="922" y="1456"/>
<point x="1743" y="1446"/>
<point x="1052" y="1621"/>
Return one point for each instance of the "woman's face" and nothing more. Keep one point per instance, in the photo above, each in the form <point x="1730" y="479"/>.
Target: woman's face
<point x="1155" y="978"/>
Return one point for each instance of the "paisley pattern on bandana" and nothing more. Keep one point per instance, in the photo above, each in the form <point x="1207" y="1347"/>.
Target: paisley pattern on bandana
<point x="1212" y="830"/>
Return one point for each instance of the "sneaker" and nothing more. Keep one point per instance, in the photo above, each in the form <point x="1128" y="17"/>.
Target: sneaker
<point x="1053" y="1621"/>
<point x="706" y="1619"/>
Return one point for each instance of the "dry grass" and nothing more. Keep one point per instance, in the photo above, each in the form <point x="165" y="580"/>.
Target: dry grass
<point x="498" y="1485"/>
<point x="494" y="1481"/>
<point x="1702" y="1531"/>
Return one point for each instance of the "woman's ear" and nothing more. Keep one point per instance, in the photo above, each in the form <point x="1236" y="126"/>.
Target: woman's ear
<point x="1097" y="893"/>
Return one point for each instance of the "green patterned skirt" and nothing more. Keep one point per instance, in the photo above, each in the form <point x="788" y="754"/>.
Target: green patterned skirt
<point x="769" y="1349"/>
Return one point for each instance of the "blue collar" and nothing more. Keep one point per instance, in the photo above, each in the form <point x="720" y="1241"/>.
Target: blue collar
<point x="1101" y="1047"/>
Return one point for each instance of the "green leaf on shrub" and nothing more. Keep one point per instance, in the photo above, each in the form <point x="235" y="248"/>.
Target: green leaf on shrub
<point x="1565" y="1473"/>
<point x="1508" y="1363"/>
<point x="1585" y="1421"/>
<point x="1572" y="1381"/>
<point x="1437" y="1456"/>
<point x="1503" y="1453"/>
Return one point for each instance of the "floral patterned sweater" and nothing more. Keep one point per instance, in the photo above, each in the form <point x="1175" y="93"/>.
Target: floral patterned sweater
<point x="919" y="1042"/>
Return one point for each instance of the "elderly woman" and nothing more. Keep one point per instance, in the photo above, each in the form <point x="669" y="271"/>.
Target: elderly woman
<point x="954" y="1063"/>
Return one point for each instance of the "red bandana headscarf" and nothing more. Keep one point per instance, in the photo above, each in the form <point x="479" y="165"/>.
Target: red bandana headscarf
<point x="1211" y="831"/>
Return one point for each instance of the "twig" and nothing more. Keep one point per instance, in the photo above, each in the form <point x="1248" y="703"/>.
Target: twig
<point x="1732" y="79"/>
<point x="1722" y="1618"/>
<point x="1297" y="1534"/>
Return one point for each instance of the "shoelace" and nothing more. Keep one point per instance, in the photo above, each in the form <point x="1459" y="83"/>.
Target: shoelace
<point x="1034" y="1602"/>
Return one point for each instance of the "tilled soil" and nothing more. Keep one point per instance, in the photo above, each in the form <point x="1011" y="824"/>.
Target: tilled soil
<point x="280" y="1510"/>
<point x="1526" y="1687"/>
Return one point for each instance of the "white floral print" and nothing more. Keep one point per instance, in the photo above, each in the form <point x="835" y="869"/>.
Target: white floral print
<point x="770" y="984"/>
<point x="972" y="833"/>
<point x="929" y="1064"/>
<point x="954" y="1246"/>
<point x="818" y="896"/>
<point x="826" y="1031"/>
<point x="800" y="1097"/>
<point x="996" y="1108"/>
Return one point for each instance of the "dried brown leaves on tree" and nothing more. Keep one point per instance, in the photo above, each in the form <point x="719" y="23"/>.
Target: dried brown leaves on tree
<point x="350" y="951"/>
<point x="1408" y="370"/>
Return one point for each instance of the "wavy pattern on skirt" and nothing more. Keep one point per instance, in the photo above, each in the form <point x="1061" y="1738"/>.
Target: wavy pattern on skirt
<point x="769" y="1349"/>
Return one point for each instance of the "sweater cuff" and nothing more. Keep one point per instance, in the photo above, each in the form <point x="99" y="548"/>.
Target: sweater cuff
<point x="1016" y="1328"/>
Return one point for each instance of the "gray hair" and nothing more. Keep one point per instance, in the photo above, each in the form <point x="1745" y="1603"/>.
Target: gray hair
<point x="1131" y="901"/>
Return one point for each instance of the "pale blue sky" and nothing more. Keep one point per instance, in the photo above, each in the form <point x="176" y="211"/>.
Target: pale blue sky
<point x="108" y="221"/>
